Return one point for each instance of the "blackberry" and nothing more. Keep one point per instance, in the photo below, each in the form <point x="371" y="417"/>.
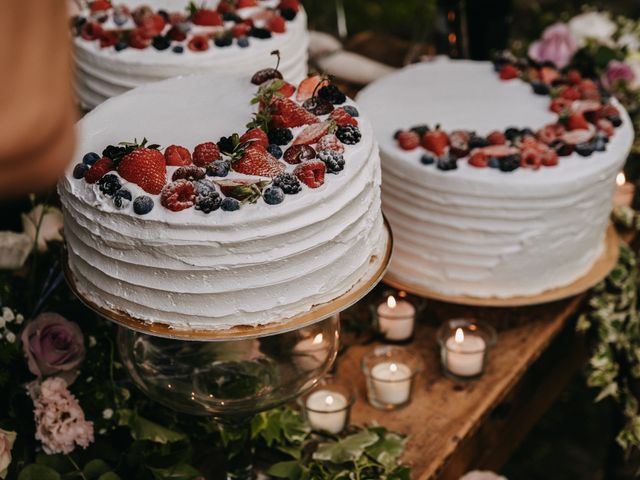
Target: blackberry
<point x="318" y="106"/>
<point x="563" y="149"/>
<point x="615" y="120"/>
<point x="225" y="144"/>
<point x="512" y="133"/>
<point x="274" y="150"/>
<point x="333" y="94"/>
<point x="142" y="205"/>
<point x="121" y="46"/>
<point x="230" y="204"/>
<point x="333" y="160"/>
<point x="280" y="136"/>
<point x="207" y="197"/>
<point x="476" y="141"/>
<point x="79" y="170"/>
<point x="527" y="132"/>
<point x="509" y="163"/>
<point x="160" y="42"/>
<point x="243" y="42"/>
<point x="219" y="168"/>
<point x="288" y="182"/>
<point x="273" y="195"/>
<point x="224" y="40"/>
<point x="77" y="22"/>
<point x="122" y="198"/>
<point x="348" y="134"/>
<point x="114" y="151"/>
<point x="288" y="13"/>
<point x="109" y="184"/>
<point x="585" y="149"/>
<point x="420" y="129"/>
<point x="539" y="88"/>
<point x="231" y="17"/>
<point x="259" y="32"/>
<point x="427" y="159"/>
<point x="351" y="110"/>
<point x="446" y="163"/>
<point x="178" y="49"/>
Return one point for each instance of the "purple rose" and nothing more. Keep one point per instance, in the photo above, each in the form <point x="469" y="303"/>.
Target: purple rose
<point x="557" y="45"/>
<point x="53" y="346"/>
<point x="616" y="73"/>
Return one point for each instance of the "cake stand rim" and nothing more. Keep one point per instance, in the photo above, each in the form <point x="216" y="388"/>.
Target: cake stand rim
<point x="378" y="266"/>
<point x="603" y="265"/>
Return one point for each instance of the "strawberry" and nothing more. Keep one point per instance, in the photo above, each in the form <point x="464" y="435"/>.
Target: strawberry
<point x="312" y="134"/>
<point x="287" y="113"/>
<point x="98" y="169"/>
<point x="296" y="154"/>
<point x="145" y="167"/>
<point x="277" y="24"/>
<point x="108" y="39"/>
<point x="330" y="142"/>
<point x="99" y="5"/>
<point x="436" y="141"/>
<point x="576" y="121"/>
<point x="549" y="158"/>
<point x="606" y="127"/>
<point x="205" y="153"/>
<point x="257" y="136"/>
<point x="311" y="173"/>
<point x="206" y="17"/>
<point x="576" y="137"/>
<point x="559" y="104"/>
<point x="152" y="25"/>
<point x="178" y="195"/>
<point x="530" y="158"/>
<point x="139" y="13"/>
<point x="508" y="72"/>
<point x="240" y="30"/>
<point x="608" y="110"/>
<point x="289" y="5"/>
<point x="587" y="84"/>
<point x="497" y="138"/>
<point x="569" y="93"/>
<point x="177" y="156"/>
<point x="585" y="106"/>
<point x="137" y="39"/>
<point x="309" y="86"/>
<point x="287" y="90"/>
<point x="257" y="161"/>
<point x="199" y="43"/>
<point x="247" y="3"/>
<point x="408" y="140"/>
<point x="478" y="159"/>
<point x="548" y="75"/>
<point x="574" y="77"/>
<point x="226" y="6"/>
<point x="341" y="117"/>
<point x="498" y="151"/>
<point x="91" y="31"/>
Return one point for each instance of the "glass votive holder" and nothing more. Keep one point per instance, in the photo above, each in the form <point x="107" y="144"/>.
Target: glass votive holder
<point x="327" y="406"/>
<point x="394" y="315"/>
<point x="464" y="347"/>
<point x="390" y="372"/>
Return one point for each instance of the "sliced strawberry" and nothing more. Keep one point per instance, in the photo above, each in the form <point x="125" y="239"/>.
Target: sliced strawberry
<point x="287" y="90"/>
<point x="145" y="167"/>
<point x="257" y="161"/>
<point x="436" y="141"/>
<point x="341" y="117"/>
<point x="585" y="106"/>
<point x="509" y="72"/>
<point x="206" y="17"/>
<point x="205" y="153"/>
<point x="576" y="121"/>
<point x="257" y="136"/>
<point x="296" y="154"/>
<point x="287" y="113"/>
<point x="548" y="75"/>
<point x="311" y="173"/>
<point x="498" y="150"/>
<point x="177" y="156"/>
<point x="309" y="86"/>
<point x="98" y="170"/>
<point x="312" y="133"/>
<point x="478" y="159"/>
<point x="408" y="140"/>
<point x="575" y="137"/>
<point x="606" y="127"/>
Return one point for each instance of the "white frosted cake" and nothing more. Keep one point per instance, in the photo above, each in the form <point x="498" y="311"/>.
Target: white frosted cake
<point x="533" y="222"/>
<point x="220" y="233"/>
<point x="123" y="44"/>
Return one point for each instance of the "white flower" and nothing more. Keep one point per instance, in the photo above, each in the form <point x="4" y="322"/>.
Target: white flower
<point x="631" y="41"/>
<point x="19" y="319"/>
<point x="11" y="337"/>
<point x="92" y="341"/>
<point x="7" y="315"/>
<point x="45" y="220"/>
<point x="107" y="413"/>
<point x="14" y="249"/>
<point x="594" y="25"/>
<point x="633" y="61"/>
<point x="6" y="444"/>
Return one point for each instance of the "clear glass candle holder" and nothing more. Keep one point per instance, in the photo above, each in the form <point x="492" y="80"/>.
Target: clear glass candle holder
<point x="395" y="315"/>
<point x="327" y="407"/>
<point x="390" y="372"/>
<point x="464" y="347"/>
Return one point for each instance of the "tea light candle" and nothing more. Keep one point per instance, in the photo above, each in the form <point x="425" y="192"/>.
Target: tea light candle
<point x="391" y="382"/>
<point x="311" y="353"/>
<point x="624" y="191"/>
<point x="396" y="319"/>
<point x="465" y="354"/>
<point x="327" y="411"/>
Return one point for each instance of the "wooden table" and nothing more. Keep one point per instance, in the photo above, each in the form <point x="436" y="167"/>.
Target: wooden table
<point x="453" y="426"/>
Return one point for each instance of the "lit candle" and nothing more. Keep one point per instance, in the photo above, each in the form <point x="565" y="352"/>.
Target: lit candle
<point x="396" y="319"/>
<point x="391" y="383"/>
<point x="624" y="191"/>
<point x="311" y="353"/>
<point x="327" y="411"/>
<point x="465" y="354"/>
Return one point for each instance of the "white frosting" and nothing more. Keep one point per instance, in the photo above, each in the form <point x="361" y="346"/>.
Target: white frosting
<point x="482" y="232"/>
<point x="261" y="264"/>
<point x="104" y="72"/>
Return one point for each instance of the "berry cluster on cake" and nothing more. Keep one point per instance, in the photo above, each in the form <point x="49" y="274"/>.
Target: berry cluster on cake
<point x="119" y="46"/>
<point x="260" y="205"/>
<point x="492" y="188"/>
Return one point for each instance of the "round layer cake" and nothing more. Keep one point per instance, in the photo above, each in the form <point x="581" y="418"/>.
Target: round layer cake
<point x="536" y="220"/>
<point x="266" y="234"/>
<point x="120" y="45"/>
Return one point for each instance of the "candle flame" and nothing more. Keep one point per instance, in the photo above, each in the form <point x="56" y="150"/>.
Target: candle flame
<point x="393" y="368"/>
<point x="391" y="301"/>
<point x="621" y="179"/>
<point x="459" y="338"/>
<point x="318" y="339"/>
<point x="329" y="400"/>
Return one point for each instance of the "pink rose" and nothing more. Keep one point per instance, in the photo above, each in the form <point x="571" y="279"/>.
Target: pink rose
<point x="53" y="346"/>
<point x="557" y="45"/>
<point x="6" y="444"/>
<point x="616" y="73"/>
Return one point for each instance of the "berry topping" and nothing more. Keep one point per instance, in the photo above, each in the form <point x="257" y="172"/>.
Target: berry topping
<point x="333" y="94"/>
<point x="287" y="113"/>
<point x="138" y="39"/>
<point x="585" y="149"/>
<point x="330" y="142"/>
<point x="333" y="160"/>
<point x="265" y="74"/>
<point x="341" y="117"/>
<point x="318" y="106"/>
<point x="91" y="31"/>
<point x="207" y="197"/>
<point x="122" y="198"/>
<point x="311" y="173"/>
<point x="177" y="156"/>
<point x="296" y="154"/>
<point x="289" y="5"/>
<point x="178" y="195"/>
<point x="205" y="17"/>
<point x="273" y="195"/>
<point x="436" y="141"/>
<point x="287" y="90"/>
<point x="497" y="138"/>
<point x="142" y="205"/>
<point x="243" y="42"/>
<point x="351" y="110"/>
<point x="562" y="148"/>
<point x="223" y="39"/>
<point x="508" y="72"/>
<point x="109" y="184"/>
<point x="459" y="143"/>
<point x="90" y="158"/>
<point x="446" y="163"/>
<point x="605" y="126"/>
<point x="349" y="134"/>
<point x="230" y="204"/>
<point x="476" y="141"/>
<point x="219" y="168"/>
<point x="145" y="167"/>
<point x="256" y="135"/>
<point x="408" y="140"/>
<point x="288" y="182"/>
<point x="242" y="190"/>
<point x="530" y="158"/>
<point x="99" y="5"/>
<point x="277" y="24"/>
<point x="161" y="43"/>
<point x="274" y="150"/>
<point x="190" y="173"/>
<point x="262" y="33"/>
<point x="98" y="169"/>
<point x="427" y="159"/>
<point x="575" y="137"/>
<point x="257" y="161"/>
<point x="313" y="133"/>
<point x="510" y="163"/>
<point x="279" y="136"/>
<point x="576" y="121"/>
<point x="309" y="86"/>
<point x="199" y="43"/>
<point x="108" y="39"/>
<point x="539" y="88"/>
<point x="206" y="153"/>
<point x="478" y="159"/>
<point x="79" y="170"/>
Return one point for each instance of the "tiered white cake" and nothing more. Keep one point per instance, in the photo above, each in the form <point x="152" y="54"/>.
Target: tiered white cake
<point x="479" y="231"/>
<point x="260" y="264"/>
<point x="106" y="72"/>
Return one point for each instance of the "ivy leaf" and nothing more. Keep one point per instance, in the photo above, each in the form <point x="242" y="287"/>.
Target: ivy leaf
<point x="294" y="428"/>
<point x="38" y="472"/>
<point x="143" y="429"/>
<point x="109" y="476"/>
<point x="387" y="450"/>
<point x="95" y="469"/>
<point x="346" y="449"/>
<point x="290" y="470"/>
<point x="400" y="473"/>
<point x="181" y="471"/>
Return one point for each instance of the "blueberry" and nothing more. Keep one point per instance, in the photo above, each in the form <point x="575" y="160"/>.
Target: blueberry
<point x="539" y="88"/>
<point x="223" y="40"/>
<point x="562" y="149"/>
<point x="79" y="170"/>
<point x="230" y="204"/>
<point x="585" y="149"/>
<point x="142" y="205"/>
<point x="288" y="13"/>
<point x="446" y="163"/>
<point x="351" y="110"/>
<point x="121" y="46"/>
<point x="274" y="150"/>
<point x="273" y="195"/>
<point x="90" y="158"/>
<point x="243" y="42"/>
<point x="122" y="198"/>
<point x="427" y="159"/>
<point x="219" y="168"/>
<point x="161" y="43"/>
<point x="178" y="49"/>
<point x="120" y="18"/>
<point x="109" y="184"/>
<point x="615" y="120"/>
<point x="494" y="162"/>
<point x="599" y="145"/>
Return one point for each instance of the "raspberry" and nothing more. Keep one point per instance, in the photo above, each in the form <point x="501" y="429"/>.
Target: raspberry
<point x="177" y="156"/>
<point x="190" y="173"/>
<point x="138" y="39"/>
<point x="311" y="173"/>
<point x="98" y="169"/>
<point x="408" y="140"/>
<point x="330" y="142"/>
<point x="205" y="153"/>
<point x="530" y="158"/>
<point x="178" y="195"/>
<point x="199" y="43"/>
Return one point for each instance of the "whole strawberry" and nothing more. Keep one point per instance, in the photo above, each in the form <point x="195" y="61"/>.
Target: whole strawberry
<point x="408" y="140"/>
<point x="205" y="153"/>
<point x="146" y="168"/>
<point x="436" y="141"/>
